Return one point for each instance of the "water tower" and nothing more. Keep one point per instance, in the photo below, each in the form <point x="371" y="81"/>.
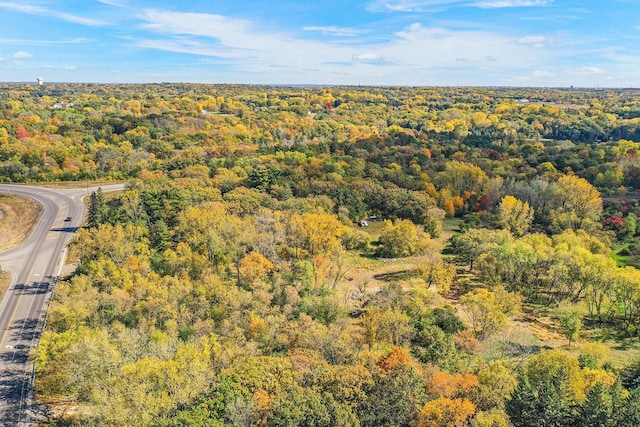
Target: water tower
<point x="40" y="81"/>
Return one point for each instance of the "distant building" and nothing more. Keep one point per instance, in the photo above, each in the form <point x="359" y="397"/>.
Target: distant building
<point x="40" y="81"/>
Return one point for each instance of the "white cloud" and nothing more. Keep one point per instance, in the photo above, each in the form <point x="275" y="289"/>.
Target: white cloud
<point x="535" y="78"/>
<point x="585" y="70"/>
<point x="416" y="54"/>
<point x="368" y="57"/>
<point x="534" y="41"/>
<point x="531" y="39"/>
<point x="115" y="3"/>
<point x="190" y="47"/>
<point x="541" y="74"/>
<point x="496" y="4"/>
<point x="26" y="42"/>
<point x="41" y="11"/>
<point x="434" y="5"/>
<point x="334" y="31"/>
<point x="220" y="36"/>
<point x="197" y="24"/>
<point x="21" y="55"/>
<point x="409" y="5"/>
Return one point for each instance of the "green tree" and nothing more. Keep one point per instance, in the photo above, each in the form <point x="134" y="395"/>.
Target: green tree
<point x="571" y="323"/>
<point x="98" y="210"/>
<point x="395" y="397"/>
<point x="470" y="245"/>
<point x="305" y="407"/>
<point x="160" y="235"/>
<point x="597" y="409"/>
<point x="511" y="265"/>
<point x="549" y="404"/>
<point x="626" y="412"/>
<point x="630" y="226"/>
<point x="432" y="345"/>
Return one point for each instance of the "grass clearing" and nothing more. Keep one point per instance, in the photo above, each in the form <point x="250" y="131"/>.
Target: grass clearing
<point x="449" y="228"/>
<point x="371" y="273"/>
<point x="374" y="229"/>
<point x="18" y="217"/>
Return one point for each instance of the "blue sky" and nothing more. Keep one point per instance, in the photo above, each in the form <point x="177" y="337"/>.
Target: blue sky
<point x="584" y="43"/>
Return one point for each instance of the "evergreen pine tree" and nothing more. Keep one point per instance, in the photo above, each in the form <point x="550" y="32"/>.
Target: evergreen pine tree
<point x="97" y="209"/>
<point x="549" y="404"/>
<point x="521" y="408"/>
<point x="627" y="411"/>
<point x="160" y="235"/>
<point x="597" y="408"/>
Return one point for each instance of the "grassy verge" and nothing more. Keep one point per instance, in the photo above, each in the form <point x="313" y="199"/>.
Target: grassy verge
<point x="18" y="217"/>
<point x="68" y="185"/>
<point x="4" y="281"/>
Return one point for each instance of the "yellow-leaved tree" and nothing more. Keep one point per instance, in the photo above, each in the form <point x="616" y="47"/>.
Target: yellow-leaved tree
<point x="460" y="177"/>
<point x="579" y="204"/>
<point x="402" y="238"/>
<point x="489" y="311"/>
<point x="316" y="233"/>
<point x="515" y="215"/>
<point x="446" y="412"/>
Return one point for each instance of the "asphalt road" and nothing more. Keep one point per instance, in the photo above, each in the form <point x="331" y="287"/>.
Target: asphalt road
<point x="35" y="267"/>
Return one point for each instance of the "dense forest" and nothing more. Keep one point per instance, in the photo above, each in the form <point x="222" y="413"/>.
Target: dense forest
<point x="339" y="256"/>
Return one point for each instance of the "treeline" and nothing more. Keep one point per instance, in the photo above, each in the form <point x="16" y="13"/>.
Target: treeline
<point x="77" y="132"/>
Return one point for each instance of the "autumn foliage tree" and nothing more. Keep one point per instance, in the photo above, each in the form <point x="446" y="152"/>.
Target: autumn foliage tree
<point x="401" y="239"/>
<point x="445" y="411"/>
<point x="579" y="203"/>
<point x="515" y="215"/>
<point x="489" y="311"/>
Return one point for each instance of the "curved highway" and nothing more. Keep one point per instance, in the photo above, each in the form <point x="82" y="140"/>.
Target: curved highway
<point x="35" y="267"/>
